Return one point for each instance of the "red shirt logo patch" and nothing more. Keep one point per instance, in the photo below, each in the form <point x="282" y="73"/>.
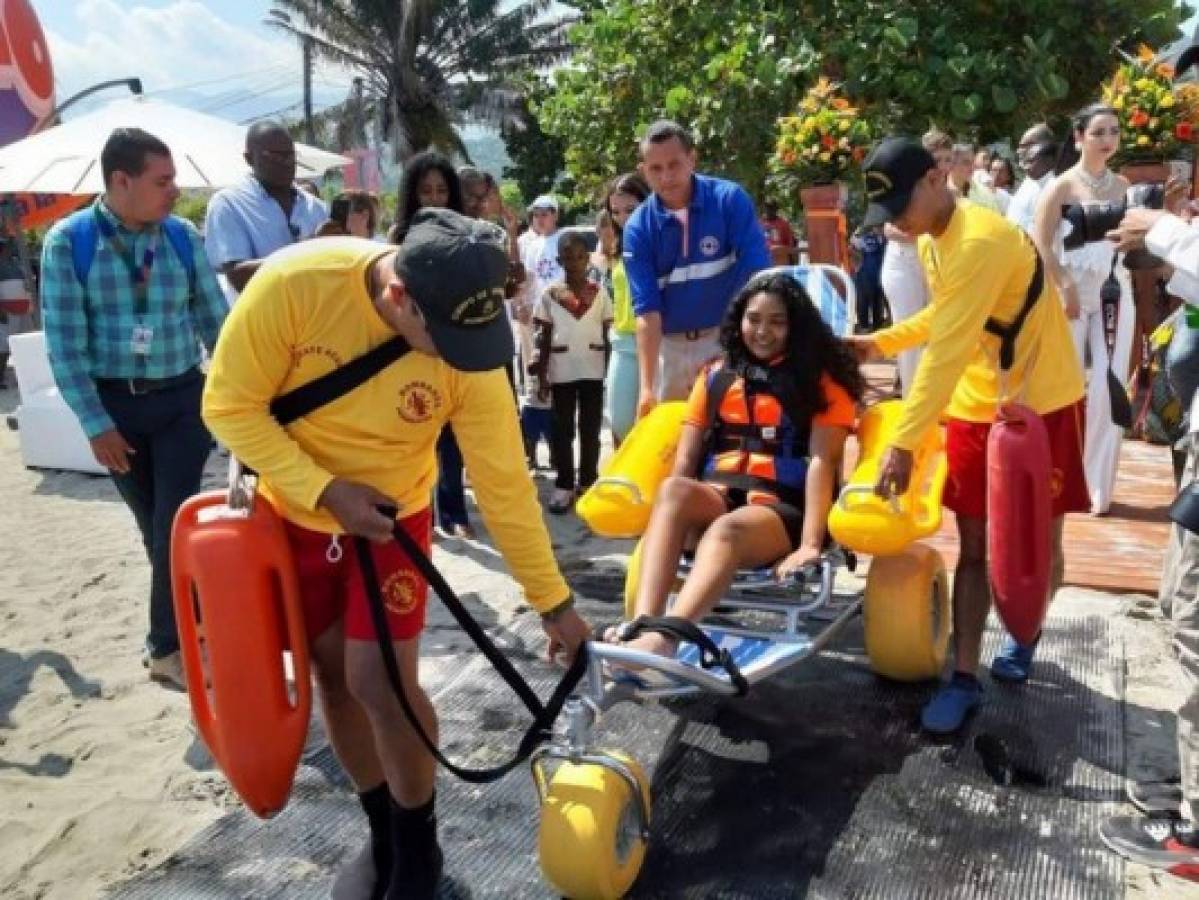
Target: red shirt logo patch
<point x="418" y="401"/>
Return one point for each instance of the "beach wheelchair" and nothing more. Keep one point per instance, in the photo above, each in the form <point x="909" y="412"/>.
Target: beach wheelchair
<point x="596" y="804"/>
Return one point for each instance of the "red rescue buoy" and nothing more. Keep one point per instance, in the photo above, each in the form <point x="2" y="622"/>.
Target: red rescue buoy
<point x="237" y="603"/>
<point x="1019" y="517"/>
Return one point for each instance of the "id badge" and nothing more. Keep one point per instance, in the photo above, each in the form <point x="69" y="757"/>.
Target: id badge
<point x="140" y="342"/>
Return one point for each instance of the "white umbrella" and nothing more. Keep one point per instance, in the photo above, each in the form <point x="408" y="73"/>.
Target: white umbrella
<point x="208" y="151"/>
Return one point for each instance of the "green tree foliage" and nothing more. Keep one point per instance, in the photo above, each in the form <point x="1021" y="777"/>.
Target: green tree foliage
<point x="428" y="64"/>
<point x="538" y="159"/>
<point x="721" y="68"/>
<point x="982" y="69"/>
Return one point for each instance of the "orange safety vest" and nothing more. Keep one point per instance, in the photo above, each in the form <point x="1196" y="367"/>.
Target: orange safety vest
<point x="752" y="445"/>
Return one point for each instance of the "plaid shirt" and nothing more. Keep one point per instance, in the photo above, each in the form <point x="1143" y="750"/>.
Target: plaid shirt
<point x="89" y="330"/>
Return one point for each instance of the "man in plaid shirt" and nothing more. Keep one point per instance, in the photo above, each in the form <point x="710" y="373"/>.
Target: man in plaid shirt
<point x="123" y="331"/>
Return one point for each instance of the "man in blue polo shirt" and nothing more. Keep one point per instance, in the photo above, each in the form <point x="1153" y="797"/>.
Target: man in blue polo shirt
<point x="688" y="249"/>
<point x="263" y="212"/>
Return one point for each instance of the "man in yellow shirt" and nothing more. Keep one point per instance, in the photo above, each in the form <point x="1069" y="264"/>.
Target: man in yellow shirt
<point x="979" y="268"/>
<point x="313" y="308"/>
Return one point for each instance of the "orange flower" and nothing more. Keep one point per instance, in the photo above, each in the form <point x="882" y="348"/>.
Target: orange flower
<point x="1165" y="70"/>
<point x="1145" y="53"/>
<point x="1138" y="118"/>
<point x="828" y="142"/>
<point x="840" y="103"/>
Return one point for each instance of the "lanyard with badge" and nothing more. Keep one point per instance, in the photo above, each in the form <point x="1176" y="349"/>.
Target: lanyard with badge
<point x="143" y="335"/>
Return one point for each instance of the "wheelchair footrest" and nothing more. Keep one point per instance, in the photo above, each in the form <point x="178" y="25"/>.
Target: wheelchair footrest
<point x="755" y="656"/>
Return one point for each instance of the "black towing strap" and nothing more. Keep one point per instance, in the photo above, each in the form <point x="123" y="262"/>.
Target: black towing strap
<point x="541" y="728"/>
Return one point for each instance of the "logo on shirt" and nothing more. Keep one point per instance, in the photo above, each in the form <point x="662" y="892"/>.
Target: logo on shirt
<point x="400" y="592"/>
<point x="418" y="401"/>
<point x="709" y="245"/>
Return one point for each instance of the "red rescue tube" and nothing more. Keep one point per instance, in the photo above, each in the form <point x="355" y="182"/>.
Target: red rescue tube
<point x="237" y="603"/>
<point x="1019" y="518"/>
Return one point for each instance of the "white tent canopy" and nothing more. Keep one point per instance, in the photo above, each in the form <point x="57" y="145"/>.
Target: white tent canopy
<point x="208" y="151"/>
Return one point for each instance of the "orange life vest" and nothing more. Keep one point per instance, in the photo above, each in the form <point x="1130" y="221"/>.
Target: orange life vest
<point x="752" y="444"/>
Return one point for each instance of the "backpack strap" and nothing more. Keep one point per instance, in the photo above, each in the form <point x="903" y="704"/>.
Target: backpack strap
<point x="181" y="242"/>
<point x="1007" y="334"/>
<point x="84" y="238"/>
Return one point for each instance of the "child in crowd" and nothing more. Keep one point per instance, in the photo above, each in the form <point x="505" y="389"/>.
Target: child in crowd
<point x="758" y="458"/>
<point x="570" y="322"/>
<point x="537" y="420"/>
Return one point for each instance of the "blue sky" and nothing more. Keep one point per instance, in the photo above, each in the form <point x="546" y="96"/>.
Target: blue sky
<point x="215" y="55"/>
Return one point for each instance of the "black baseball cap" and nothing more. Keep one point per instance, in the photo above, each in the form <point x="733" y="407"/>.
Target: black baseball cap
<point x="454" y="268"/>
<point x="891" y="171"/>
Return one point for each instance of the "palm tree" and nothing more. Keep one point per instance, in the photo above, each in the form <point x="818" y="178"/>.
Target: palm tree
<point x="427" y="64"/>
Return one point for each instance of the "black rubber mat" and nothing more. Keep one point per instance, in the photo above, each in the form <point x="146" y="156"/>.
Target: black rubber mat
<point x="819" y="784"/>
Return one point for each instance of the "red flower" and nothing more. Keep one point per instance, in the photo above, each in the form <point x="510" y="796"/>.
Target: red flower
<point x="1138" y="118"/>
<point x="828" y="142"/>
<point x="1184" y="131"/>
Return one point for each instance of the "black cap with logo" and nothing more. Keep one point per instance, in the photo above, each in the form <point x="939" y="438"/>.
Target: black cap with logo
<point x="454" y="268"/>
<point x="892" y="171"/>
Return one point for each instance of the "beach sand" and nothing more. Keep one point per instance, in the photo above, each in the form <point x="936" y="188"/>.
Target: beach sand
<point x="100" y="774"/>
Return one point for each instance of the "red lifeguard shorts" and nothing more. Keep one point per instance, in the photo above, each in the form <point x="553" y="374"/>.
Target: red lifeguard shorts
<point x="331" y="591"/>
<point x="966" y="455"/>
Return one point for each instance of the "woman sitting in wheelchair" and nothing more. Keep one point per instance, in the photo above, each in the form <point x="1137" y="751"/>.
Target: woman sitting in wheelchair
<point x="764" y="429"/>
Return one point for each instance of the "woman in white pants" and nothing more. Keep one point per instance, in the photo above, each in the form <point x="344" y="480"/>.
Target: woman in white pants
<point x="906" y="290"/>
<point x="1084" y="178"/>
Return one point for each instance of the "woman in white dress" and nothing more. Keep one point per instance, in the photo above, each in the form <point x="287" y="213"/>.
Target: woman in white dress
<point x="1085" y="179"/>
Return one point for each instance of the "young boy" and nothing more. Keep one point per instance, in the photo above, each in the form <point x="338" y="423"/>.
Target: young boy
<point x="571" y="322"/>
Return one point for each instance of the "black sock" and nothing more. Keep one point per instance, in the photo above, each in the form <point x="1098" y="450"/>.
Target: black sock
<point x="414" y="826"/>
<point x="418" y="859"/>
<point x="376" y="803"/>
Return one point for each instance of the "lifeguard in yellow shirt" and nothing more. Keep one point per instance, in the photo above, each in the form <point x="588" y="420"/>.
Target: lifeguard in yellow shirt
<point x="979" y="268"/>
<point x="311" y="309"/>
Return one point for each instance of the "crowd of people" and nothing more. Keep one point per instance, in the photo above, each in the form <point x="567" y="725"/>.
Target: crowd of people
<point x="512" y="338"/>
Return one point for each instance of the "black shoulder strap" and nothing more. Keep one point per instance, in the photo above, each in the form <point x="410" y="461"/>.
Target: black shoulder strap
<point x="300" y="402"/>
<point x="1007" y="334"/>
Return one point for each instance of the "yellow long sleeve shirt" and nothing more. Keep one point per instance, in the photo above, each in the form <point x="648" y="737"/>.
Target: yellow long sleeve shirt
<point x="307" y="312"/>
<point x="978" y="268"/>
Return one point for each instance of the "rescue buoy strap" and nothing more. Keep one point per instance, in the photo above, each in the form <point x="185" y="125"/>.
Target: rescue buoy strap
<point x="1007" y="334"/>
<point x="544" y="715"/>
<point x="297" y="403"/>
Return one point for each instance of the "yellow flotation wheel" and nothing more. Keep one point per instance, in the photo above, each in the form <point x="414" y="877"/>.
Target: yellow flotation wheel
<point x="590" y="842"/>
<point x="907" y="614"/>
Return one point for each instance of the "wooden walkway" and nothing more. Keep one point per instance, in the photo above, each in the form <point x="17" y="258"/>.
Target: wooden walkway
<point x="1121" y="552"/>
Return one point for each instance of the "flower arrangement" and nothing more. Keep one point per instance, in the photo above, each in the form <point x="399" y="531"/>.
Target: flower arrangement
<point x="824" y="142"/>
<point x="1156" y="117"/>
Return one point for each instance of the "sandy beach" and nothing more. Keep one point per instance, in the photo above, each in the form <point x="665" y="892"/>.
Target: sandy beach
<point x="99" y="770"/>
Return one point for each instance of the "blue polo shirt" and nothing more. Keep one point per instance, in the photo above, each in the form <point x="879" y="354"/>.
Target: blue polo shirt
<point x="691" y="286"/>
<point x="245" y="222"/>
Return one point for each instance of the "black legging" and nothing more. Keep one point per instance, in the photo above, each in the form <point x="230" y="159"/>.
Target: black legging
<point x="587" y="397"/>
